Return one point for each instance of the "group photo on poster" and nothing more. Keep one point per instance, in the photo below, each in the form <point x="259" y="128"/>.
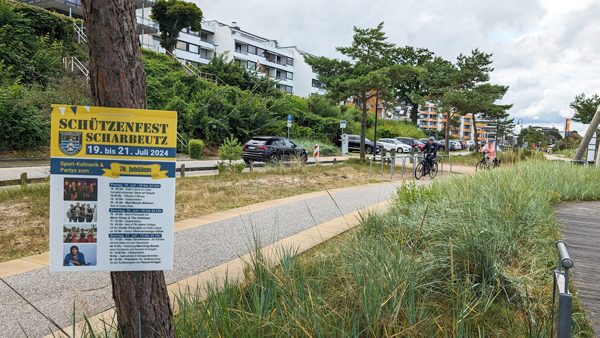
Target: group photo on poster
<point x="79" y="255"/>
<point x="80" y="189"/>
<point x="80" y="234"/>
<point x="80" y="212"/>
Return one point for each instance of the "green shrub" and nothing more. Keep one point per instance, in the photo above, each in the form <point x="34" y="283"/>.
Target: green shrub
<point x="391" y="128"/>
<point x="195" y="148"/>
<point x="325" y="148"/>
<point x="230" y="151"/>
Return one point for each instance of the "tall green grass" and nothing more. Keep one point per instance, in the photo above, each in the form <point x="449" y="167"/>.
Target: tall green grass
<point x="461" y="257"/>
<point x="325" y="148"/>
<point x="467" y="256"/>
<point x="506" y="157"/>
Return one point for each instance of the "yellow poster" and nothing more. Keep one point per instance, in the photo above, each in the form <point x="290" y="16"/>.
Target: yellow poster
<point x="112" y="189"/>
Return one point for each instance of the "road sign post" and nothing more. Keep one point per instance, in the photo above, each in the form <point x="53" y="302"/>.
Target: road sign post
<point x="316" y="154"/>
<point x="289" y="124"/>
<point x="344" y="138"/>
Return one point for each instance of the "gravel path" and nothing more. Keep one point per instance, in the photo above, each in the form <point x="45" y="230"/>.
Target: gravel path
<point x="196" y="250"/>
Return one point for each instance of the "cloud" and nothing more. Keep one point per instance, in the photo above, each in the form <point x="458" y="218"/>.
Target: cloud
<point x="545" y="50"/>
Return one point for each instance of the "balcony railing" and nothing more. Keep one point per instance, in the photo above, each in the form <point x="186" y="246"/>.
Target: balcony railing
<point x="147" y="23"/>
<point x="76" y="3"/>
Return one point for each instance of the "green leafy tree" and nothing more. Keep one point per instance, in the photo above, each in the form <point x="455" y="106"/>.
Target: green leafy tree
<point x="230" y="151"/>
<point x="585" y="108"/>
<point x="535" y="137"/>
<point x="232" y="74"/>
<point x="453" y="86"/>
<point x="413" y="90"/>
<point x="172" y="17"/>
<point x="367" y="77"/>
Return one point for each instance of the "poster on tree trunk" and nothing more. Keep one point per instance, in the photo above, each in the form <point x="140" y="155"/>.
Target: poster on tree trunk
<point x="112" y="189"/>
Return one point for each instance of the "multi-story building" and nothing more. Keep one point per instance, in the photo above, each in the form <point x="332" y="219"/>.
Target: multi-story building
<point x="431" y="119"/>
<point x="286" y="65"/>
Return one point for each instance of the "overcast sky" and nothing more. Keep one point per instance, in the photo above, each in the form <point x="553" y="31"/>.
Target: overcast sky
<point x="547" y="51"/>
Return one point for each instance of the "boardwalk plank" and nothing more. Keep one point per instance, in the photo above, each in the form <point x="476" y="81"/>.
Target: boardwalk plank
<point x="581" y="231"/>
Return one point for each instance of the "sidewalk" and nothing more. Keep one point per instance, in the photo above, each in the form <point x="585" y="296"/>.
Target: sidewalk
<point x="201" y="243"/>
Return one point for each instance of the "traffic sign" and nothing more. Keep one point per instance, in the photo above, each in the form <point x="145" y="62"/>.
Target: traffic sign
<point x="289" y="120"/>
<point x="342" y="124"/>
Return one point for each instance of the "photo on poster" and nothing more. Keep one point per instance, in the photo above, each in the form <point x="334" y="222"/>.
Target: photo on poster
<point x="80" y="189"/>
<point x="79" y="254"/>
<point x="80" y="233"/>
<point x="80" y="212"/>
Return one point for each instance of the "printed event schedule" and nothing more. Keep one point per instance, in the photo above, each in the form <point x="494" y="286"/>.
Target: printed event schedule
<point x="112" y="189"/>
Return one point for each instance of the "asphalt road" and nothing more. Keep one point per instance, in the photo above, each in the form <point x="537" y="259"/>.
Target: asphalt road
<point x="196" y="250"/>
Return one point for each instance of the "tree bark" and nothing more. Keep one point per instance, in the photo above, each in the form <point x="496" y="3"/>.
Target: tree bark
<point x="117" y="79"/>
<point x="363" y="127"/>
<point x="588" y="136"/>
<point x="415" y="114"/>
<point x="447" y="133"/>
<point x="476" y="147"/>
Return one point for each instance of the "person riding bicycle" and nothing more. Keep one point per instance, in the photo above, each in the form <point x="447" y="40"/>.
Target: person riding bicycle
<point x="490" y="152"/>
<point x="430" y="149"/>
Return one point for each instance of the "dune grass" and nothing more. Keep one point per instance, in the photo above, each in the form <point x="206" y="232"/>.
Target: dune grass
<point x="507" y="157"/>
<point x="462" y="257"/>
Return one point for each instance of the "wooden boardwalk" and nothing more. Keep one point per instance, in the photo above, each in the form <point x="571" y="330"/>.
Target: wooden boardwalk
<point x="581" y="232"/>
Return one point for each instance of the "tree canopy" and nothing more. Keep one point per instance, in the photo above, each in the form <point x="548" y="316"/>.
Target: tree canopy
<point x="173" y="16"/>
<point x="370" y="74"/>
<point x="585" y="108"/>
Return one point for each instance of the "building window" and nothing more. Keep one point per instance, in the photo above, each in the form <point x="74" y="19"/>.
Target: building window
<point x="193" y="48"/>
<point x="290" y="61"/>
<point x="251" y="65"/>
<point x="181" y="45"/>
<point x="204" y="36"/>
<point x="278" y="74"/>
<point x="204" y="53"/>
<point x="251" y="49"/>
<point x="260" y="52"/>
<point x="288" y="89"/>
<point x="289" y="76"/>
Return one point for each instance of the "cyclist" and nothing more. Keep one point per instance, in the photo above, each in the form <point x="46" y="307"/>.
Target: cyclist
<point x="490" y="152"/>
<point x="430" y="149"/>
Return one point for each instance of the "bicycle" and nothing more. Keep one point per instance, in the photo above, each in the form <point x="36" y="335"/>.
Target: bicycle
<point x="483" y="163"/>
<point x="423" y="170"/>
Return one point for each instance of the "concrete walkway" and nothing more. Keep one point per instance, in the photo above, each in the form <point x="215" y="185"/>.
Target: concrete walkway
<point x="200" y="244"/>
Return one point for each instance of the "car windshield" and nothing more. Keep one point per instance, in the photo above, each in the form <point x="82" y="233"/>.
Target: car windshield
<point x="257" y="142"/>
<point x="367" y="140"/>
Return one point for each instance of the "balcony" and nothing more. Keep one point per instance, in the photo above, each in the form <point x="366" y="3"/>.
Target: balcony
<point x="147" y="25"/>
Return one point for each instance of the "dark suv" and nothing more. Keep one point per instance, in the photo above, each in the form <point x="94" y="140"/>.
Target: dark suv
<point x="354" y="144"/>
<point x="272" y="149"/>
<point x="413" y="142"/>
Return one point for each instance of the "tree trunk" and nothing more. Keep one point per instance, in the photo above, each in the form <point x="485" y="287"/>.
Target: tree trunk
<point x="415" y="114"/>
<point x="588" y="136"/>
<point x="447" y="133"/>
<point x="476" y="147"/>
<point x="363" y="128"/>
<point x="117" y="79"/>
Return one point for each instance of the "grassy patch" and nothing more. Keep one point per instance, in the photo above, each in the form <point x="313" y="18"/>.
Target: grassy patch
<point x="462" y="257"/>
<point x="24" y="212"/>
<point x="507" y="157"/>
<point x="325" y="148"/>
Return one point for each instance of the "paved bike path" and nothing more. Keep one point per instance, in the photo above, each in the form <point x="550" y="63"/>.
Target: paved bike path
<point x="196" y="249"/>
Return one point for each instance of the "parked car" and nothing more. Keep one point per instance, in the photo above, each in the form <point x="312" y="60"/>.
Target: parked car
<point x="470" y="143"/>
<point x="354" y="144"/>
<point x="413" y="142"/>
<point x="454" y="145"/>
<point x="392" y="143"/>
<point x="272" y="149"/>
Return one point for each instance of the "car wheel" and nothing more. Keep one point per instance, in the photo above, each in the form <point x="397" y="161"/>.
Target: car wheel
<point x="247" y="162"/>
<point x="273" y="159"/>
<point x="304" y="158"/>
<point x="400" y="150"/>
<point x="368" y="150"/>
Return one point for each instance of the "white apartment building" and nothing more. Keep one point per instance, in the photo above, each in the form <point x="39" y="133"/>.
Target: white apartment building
<point x="286" y="65"/>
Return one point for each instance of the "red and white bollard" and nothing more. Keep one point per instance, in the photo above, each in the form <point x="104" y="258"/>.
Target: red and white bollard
<point x="316" y="153"/>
